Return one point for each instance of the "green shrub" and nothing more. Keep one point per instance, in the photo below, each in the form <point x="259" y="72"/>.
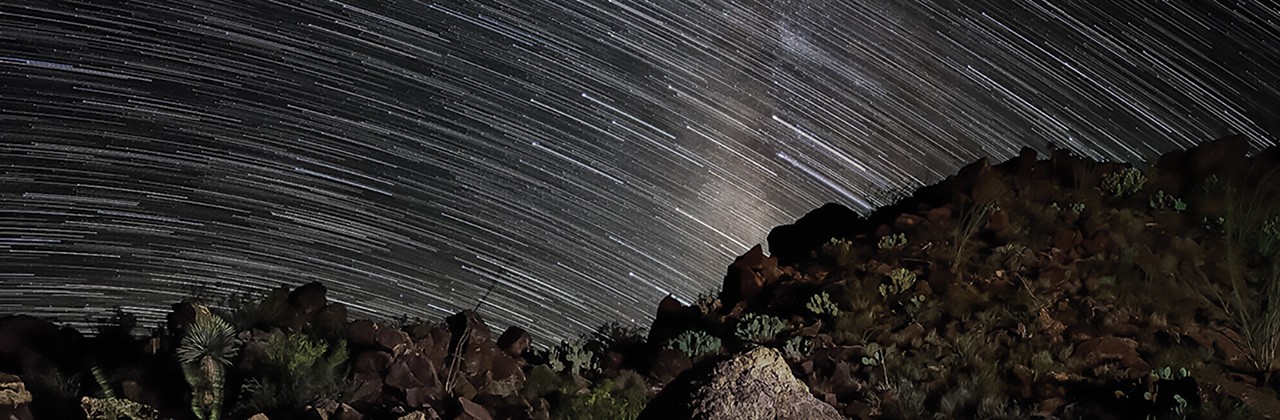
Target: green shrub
<point x="840" y="250"/>
<point x="797" y="347"/>
<point x="820" y="304"/>
<point x="572" y="398"/>
<point x="606" y="400"/>
<point x="1166" y="201"/>
<point x="1124" y="182"/>
<point x="758" y="328"/>
<point x="895" y="241"/>
<point x="572" y="356"/>
<point x="695" y="344"/>
<point x="900" y="280"/>
<point x="295" y="370"/>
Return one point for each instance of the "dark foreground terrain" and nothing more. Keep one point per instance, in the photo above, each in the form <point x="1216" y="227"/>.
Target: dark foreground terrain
<point x="1034" y="288"/>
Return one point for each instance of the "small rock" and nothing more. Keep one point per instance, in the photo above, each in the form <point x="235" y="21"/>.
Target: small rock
<point x="472" y="411"/>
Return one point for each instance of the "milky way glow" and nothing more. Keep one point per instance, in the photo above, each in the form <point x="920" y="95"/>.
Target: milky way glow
<point x="585" y="157"/>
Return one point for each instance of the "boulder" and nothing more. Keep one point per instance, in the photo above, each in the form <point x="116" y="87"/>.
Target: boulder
<point x="757" y="384"/>
<point x="391" y="338"/>
<point x="426" y="414"/>
<point x="792" y="243"/>
<point x="515" y="341"/>
<point x="333" y="317"/>
<point x="15" y="400"/>
<point x="470" y="322"/>
<point x="748" y="275"/>
<point x="363" y="332"/>
<point x="668" y="364"/>
<point x="472" y="411"/>
<point x="309" y="298"/>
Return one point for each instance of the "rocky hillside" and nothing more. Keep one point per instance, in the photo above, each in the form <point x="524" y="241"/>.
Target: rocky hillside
<point x="1033" y="288"/>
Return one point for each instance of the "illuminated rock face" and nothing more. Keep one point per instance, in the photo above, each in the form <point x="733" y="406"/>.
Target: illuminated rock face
<point x="14" y="398"/>
<point x="756" y="384"/>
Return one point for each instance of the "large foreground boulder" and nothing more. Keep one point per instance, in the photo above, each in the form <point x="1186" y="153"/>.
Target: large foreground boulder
<point x="756" y="384"/>
<point x="14" y="398"/>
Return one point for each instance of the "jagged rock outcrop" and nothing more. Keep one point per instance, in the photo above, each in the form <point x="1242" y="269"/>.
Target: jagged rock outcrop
<point x="14" y="398"/>
<point x="756" y="384"/>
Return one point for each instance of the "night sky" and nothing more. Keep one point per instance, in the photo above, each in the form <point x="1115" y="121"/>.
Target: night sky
<point x="587" y="157"/>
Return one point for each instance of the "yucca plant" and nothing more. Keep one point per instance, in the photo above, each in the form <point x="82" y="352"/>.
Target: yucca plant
<point x="205" y="352"/>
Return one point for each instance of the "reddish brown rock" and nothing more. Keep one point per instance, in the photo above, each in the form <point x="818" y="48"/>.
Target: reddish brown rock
<point x="363" y="332"/>
<point x="411" y="370"/>
<point x="907" y="222"/>
<point x="333" y="317"/>
<point x="515" y="341"/>
<point x="391" y="338"/>
<point x="309" y="298"/>
<point x="479" y="355"/>
<point x="1109" y="349"/>
<point x="938" y="215"/>
<point x="1218" y="157"/>
<point x="794" y="242"/>
<point x="667" y="364"/>
<point x="471" y="323"/>
<point x="366" y="388"/>
<point x="472" y="411"/>
<point x="373" y="361"/>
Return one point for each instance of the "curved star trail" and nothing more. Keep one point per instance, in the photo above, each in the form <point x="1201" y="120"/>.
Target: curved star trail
<point x="585" y="157"/>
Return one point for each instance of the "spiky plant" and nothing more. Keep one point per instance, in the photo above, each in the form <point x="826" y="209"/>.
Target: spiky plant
<point x="205" y="352"/>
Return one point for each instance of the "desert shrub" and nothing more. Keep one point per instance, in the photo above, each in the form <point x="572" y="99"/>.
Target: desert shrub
<point x="572" y="398"/>
<point x="900" y="280"/>
<point x="540" y="381"/>
<point x="1124" y="182"/>
<point x="112" y="408"/>
<point x="606" y="400"/>
<point x="820" y="304"/>
<point x="852" y="326"/>
<point x="572" y="356"/>
<point x="797" y="348"/>
<point x="695" y="344"/>
<point x="295" y="370"/>
<point x="971" y="220"/>
<point x="1162" y="201"/>
<point x="757" y="328"/>
<point x="841" y="251"/>
<point x="895" y="241"/>
<point x="1252" y="295"/>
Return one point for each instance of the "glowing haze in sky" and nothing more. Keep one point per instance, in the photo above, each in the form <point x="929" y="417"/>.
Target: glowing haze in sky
<point x="587" y="157"/>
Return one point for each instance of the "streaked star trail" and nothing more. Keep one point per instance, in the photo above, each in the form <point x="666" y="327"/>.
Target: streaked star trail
<point x="586" y="157"/>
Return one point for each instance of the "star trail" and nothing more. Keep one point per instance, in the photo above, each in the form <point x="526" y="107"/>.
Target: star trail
<point x="586" y="157"/>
